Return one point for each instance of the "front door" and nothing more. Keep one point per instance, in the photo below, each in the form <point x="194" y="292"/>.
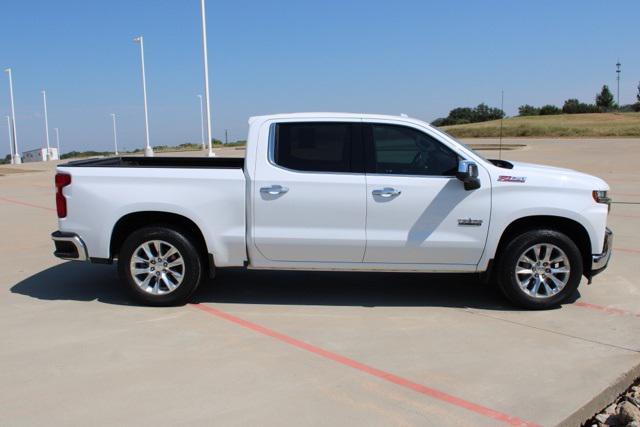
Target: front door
<point x="417" y="211"/>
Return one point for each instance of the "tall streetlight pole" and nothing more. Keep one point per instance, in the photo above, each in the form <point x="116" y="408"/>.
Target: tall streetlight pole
<point x="46" y="124"/>
<point x="57" y="140"/>
<point x="148" y="151"/>
<point x="205" y="58"/>
<point x="115" y="133"/>
<point x="10" y="138"/>
<point x="202" y="121"/>
<point x="16" y="154"/>
<point x="618" y="64"/>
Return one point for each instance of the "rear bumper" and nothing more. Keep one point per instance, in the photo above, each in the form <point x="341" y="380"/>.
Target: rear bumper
<point x="600" y="261"/>
<point x="69" y="246"/>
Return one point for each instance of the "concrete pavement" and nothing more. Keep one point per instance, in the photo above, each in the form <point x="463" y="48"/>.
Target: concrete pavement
<point x="274" y="348"/>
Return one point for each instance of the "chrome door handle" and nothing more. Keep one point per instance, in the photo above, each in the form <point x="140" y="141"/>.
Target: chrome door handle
<point x="386" y="192"/>
<point x="274" y="190"/>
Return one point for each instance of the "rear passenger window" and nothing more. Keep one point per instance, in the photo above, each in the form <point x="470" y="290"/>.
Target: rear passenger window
<point x="313" y="147"/>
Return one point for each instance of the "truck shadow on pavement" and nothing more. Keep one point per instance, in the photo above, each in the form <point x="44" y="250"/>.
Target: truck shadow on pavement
<point x="73" y="281"/>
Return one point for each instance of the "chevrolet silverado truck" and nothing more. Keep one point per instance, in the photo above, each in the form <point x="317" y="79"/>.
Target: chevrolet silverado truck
<point x="333" y="191"/>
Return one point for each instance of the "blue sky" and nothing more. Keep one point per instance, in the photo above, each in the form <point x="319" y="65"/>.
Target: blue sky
<point x="416" y="57"/>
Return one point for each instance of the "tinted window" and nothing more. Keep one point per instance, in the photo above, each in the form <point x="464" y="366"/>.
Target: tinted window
<point x="406" y="151"/>
<point x="313" y="147"/>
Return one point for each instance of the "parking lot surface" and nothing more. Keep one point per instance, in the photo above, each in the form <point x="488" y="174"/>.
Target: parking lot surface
<point x="312" y="348"/>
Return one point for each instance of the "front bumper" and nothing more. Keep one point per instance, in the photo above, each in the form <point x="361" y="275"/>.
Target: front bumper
<point x="600" y="261"/>
<point x="69" y="246"/>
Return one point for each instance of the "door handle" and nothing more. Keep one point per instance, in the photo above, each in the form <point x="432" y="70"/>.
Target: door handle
<point x="386" y="192"/>
<point x="274" y="190"/>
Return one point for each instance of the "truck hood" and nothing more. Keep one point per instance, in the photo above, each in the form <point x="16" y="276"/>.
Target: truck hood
<point x="559" y="175"/>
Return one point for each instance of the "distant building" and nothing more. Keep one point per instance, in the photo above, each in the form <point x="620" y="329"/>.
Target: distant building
<point x="39" y="155"/>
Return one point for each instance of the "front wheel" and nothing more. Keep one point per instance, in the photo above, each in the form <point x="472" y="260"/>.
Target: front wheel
<point x="539" y="269"/>
<point x="160" y="265"/>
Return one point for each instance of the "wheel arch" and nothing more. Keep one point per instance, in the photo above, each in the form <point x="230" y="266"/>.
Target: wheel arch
<point x="572" y="228"/>
<point x="136" y="220"/>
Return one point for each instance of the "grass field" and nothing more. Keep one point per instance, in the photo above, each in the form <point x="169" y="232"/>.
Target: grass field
<point x="562" y="125"/>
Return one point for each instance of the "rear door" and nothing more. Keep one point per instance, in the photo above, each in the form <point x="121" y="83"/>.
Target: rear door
<point x="309" y="194"/>
<point x="417" y="211"/>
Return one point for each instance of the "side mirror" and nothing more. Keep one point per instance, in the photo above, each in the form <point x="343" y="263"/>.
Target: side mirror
<point x="468" y="174"/>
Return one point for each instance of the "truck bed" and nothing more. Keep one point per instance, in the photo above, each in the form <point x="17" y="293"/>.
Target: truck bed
<point x="209" y="192"/>
<point x="160" y="162"/>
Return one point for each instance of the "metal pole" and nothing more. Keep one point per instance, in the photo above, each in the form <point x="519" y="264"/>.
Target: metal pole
<point x="501" y="120"/>
<point x="46" y="124"/>
<point x="115" y="133"/>
<point x="57" y="140"/>
<point x="148" y="151"/>
<point x="16" y="154"/>
<point x="618" y="79"/>
<point x="10" y="138"/>
<point x="226" y="136"/>
<point x="206" y="77"/>
<point x="202" y="122"/>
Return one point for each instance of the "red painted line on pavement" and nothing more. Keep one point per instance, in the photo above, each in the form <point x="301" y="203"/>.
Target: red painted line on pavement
<point x="18" y="202"/>
<point x="605" y="309"/>
<point x="428" y="391"/>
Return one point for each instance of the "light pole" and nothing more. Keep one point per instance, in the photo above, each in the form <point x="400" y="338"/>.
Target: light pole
<point x="148" y="151"/>
<point x="46" y="124"/>
<point x="206" y="76"/>
<point x="10" y="139"/>
<point x="115" y="133"/>
<point x="57" y="141"/>
<point x="618" y="64"/>
<point x="201" y="121"/>
<point x="16" y="154"/>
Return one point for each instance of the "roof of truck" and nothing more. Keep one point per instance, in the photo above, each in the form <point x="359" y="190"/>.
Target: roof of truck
<point x="317" y="115"/>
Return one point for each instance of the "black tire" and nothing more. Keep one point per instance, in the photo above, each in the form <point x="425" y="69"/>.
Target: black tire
<point x="508" y="261"/>
<point x="191" y="271"/>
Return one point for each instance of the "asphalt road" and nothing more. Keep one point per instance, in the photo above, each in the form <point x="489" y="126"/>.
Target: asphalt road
<point x="284" y="348"/>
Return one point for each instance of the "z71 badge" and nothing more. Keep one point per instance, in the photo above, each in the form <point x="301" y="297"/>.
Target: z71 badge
<point x="508" y="178"/>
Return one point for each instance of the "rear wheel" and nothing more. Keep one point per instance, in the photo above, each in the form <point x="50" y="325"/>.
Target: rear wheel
<point x="160" y="265"/>
<point x="539" y="269"/>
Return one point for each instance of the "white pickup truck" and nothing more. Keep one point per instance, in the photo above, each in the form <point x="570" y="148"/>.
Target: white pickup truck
<point x="333" y="191"/>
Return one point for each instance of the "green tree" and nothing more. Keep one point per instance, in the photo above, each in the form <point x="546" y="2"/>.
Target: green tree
<point x="638" y="95"/>
<point x="528" y="110"/>
<point x="464" y="115"/>
<point x="549" y="110"/>
<point x="440" y="121"/>
<point x="483" y="113"/>
<point x="573" y="106"/>
<point x="604" y="99"/>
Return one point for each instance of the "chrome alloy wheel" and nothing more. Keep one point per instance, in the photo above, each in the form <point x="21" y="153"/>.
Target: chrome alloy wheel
<point x="157" y="267"/>
<point x="543" y="270"/>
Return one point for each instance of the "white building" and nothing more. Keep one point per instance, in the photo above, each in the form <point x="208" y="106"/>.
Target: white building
<point x="39" y="155"/>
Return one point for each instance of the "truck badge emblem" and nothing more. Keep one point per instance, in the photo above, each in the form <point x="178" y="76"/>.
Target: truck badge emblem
<point x="507" y="178"/>
<point x="469" y="221"/>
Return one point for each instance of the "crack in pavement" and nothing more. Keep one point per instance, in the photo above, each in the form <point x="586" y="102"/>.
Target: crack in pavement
<point x="477" y="313"/>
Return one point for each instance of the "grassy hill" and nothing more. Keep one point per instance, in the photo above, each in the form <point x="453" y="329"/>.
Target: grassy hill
<point x="562" y="125"/>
